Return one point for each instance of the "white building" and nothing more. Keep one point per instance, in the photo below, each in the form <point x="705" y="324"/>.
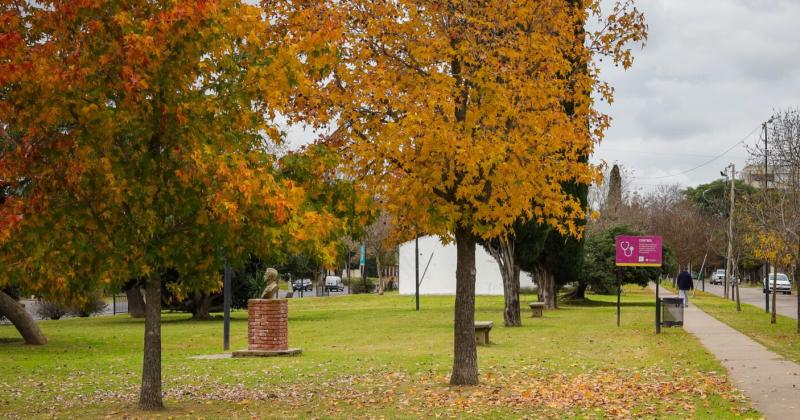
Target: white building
<point x="437" y="269"/>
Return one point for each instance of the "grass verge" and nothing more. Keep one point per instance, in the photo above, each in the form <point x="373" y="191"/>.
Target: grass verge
<point x="372" y="356"/>
<point x="752" y="321"/>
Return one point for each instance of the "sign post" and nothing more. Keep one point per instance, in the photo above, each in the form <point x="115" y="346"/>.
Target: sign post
<point x="636" y="251"/>
<point x="226" y="302"/>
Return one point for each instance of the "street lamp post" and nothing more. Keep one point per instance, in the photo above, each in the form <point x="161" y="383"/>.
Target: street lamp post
<point x="728" y="267"/>
<point x="226" y="299"/>
<point x="766" y="202"/>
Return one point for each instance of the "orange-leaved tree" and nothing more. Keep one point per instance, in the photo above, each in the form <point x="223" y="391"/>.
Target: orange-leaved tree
<point x="454" y="113"/>
<point x="136" y="135"/>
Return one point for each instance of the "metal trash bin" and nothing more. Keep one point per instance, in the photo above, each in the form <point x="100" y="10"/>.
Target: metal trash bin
<point x="672" y="312"/>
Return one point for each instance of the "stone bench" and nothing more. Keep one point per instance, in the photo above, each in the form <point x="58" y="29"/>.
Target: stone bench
<point x="537" y="309"/>
<point x="482" y="329"/>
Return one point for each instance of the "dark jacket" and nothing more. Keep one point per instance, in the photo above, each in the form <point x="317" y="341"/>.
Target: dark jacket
<point x="685" y="281"/>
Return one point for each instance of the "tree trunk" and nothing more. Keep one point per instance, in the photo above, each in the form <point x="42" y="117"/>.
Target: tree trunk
<point x="738" y="301"/>
<point x="547" y="289"/>
<point x="135" y="301"/>
<point x="201" y="308"/>
<point x="797" y="293"/>
<point x="773" y="318"/>
<point x="380" y="274"/>
<point x="319" y="279"/>
<point x="795" y="270"/>
<point x="465" y="355"/>
<point x="22" y="320"/>
<point x="580" y="292"/>
<point x="511" y="315"/>
<point x="150" y="396"/>
<point x="502" y="250"/>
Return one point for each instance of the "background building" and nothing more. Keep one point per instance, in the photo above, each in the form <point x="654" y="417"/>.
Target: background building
<point x="440" y="276"/>
<point x="777" y="176"/>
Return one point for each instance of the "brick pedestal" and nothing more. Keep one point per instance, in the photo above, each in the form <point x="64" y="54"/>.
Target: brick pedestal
<point x="267" y="324"/>
<point x="267" y="328"/>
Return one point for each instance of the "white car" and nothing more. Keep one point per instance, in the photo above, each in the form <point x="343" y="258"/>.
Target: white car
<point x="334" y="284"/>
<point x="718" y="277"/>
<point x="778" y="283"/>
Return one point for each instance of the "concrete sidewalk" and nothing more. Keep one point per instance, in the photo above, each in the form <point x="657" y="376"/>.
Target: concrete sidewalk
<point x="771" y="382"/>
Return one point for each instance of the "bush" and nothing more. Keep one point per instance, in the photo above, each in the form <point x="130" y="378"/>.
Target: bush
<point x="600" y="271"/>
<point x="50" y="310"/>
<point x="95" y="304"/>
<point x="362" y="286"/>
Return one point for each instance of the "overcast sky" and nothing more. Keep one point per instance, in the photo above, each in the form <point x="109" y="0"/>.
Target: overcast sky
<point x="712" y="71"/>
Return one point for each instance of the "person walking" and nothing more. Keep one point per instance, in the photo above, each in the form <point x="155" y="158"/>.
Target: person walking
<point x="685" y="284"/>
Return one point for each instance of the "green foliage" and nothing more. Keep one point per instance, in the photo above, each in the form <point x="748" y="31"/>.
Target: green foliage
<point x="563" y="255"/>
<point x="614" y="188"/>
<point x="600" y="270"/>
<point x="95" y="303"/>
<point x="363" y="285"/>
<point x="713" y="199"/>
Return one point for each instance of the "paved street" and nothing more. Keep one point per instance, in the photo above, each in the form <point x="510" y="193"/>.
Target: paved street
<point x="787" y="304"/>
<point x="313" y="293"/>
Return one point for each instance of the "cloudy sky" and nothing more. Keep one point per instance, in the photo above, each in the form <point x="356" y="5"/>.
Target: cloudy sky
<point x="712" y="71"/>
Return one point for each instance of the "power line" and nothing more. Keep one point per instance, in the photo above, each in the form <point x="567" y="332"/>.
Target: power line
<point x="704" y="163"/>
<point x="646" y="152"/>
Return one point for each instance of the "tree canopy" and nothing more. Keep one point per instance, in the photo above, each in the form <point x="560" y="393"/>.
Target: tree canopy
<point x="140" y="134"/>
<point x="454" y="113"/>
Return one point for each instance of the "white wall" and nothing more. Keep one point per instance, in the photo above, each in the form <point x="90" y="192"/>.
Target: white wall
<point x="440" y="278"/>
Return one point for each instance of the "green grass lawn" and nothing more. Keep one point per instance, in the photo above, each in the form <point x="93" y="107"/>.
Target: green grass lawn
<point x="373" y="356"/>
<point x="781" y="337"/>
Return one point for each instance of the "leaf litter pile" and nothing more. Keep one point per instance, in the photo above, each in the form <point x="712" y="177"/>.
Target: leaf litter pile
<point x="608" y="392"/>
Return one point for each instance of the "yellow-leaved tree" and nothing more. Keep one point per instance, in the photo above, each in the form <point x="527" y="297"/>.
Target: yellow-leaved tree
<point x="135" y="140"/>
<point x="453" y="112"/>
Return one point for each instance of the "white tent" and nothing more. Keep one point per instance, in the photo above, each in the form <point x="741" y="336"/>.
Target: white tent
<point x="437" y="269"/>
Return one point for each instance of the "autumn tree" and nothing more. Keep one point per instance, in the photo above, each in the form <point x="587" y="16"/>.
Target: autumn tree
<point x="377" y="238"/>
<point x="453" y="112"/>
<point x="774" y="214"/>
<point x="328" y="191"/>
<point x="516" y="252"/>
<point x="9" y="307"/>
<point x="142" y="129"/>
<point x="526" y="239"/>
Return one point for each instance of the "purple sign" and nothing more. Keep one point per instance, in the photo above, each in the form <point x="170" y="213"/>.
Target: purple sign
<point x="638" y="251"/>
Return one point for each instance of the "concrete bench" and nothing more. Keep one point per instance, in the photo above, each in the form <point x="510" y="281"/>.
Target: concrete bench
<point x="537" y="309"/>
<point x="482" y="329"/>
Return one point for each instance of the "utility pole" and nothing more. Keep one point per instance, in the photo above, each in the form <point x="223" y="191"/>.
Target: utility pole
<point x="766" y="202"/>
<point x="730" y="229"/>
<point x="702" y="272"/>
<point x="226" y="302"/>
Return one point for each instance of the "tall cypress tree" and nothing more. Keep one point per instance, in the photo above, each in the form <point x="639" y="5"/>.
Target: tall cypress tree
<point x="614" y="198"/>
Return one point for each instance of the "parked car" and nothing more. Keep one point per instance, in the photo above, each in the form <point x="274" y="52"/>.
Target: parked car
<point x="334" y="284"/>
<point x="302" y="284"/>
<point x="718" y="277"/>
<point x="781" y="284"/>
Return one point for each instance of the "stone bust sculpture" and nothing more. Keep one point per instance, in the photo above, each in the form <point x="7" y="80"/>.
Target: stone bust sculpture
<point x="271" y="280"/>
